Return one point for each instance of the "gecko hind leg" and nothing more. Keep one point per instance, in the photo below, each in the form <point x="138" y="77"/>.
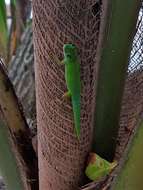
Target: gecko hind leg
<point x="66" y="96"/>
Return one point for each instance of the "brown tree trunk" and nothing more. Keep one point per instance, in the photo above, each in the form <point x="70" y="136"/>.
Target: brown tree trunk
<point x="61" y="156"/>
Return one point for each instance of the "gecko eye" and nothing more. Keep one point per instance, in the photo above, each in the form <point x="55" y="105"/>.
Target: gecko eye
<point x="73" y="46"/>
<point x="68" y="55"/>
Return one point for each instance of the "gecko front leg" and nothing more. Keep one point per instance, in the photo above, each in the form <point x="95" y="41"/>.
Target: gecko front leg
<point x="56" y="60"/>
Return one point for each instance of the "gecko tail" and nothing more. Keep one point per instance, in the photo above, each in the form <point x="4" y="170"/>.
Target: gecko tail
<point x="76" y="113"/>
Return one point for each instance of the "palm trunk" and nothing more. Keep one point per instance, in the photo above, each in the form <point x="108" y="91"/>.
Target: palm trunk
<point x="61" y="156"/>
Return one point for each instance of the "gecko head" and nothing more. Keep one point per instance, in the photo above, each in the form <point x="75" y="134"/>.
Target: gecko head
<point x="70" y="51"/>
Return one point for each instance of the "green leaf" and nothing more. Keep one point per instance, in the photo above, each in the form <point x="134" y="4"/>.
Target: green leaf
<point x="3" y="29"/>
<point x="3" y="10"/>
<point x="8" y="162"/>
<point x="13" y="2"/>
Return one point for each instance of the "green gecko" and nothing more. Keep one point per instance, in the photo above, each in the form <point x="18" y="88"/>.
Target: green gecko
<point x="72" y="77"/>
<point x="98" y="167"/>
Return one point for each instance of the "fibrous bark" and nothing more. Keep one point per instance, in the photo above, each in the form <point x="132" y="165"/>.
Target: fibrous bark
<point x="61" y="156"/>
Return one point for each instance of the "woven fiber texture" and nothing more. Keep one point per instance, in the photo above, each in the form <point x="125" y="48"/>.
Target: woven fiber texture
<point x="61" y="155"/>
